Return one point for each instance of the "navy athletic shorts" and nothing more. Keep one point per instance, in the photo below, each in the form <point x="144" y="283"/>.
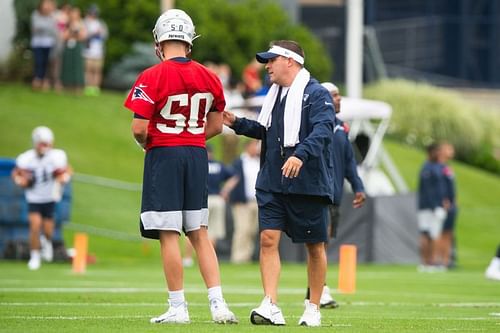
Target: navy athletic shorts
<point x="47" y="210"/>
<point x="449" y="222"/>
<point x="174" y="193"/>
<point x="304" y="218"/>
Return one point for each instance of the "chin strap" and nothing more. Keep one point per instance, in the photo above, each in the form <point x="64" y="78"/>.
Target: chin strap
<point x="159" y="52"/>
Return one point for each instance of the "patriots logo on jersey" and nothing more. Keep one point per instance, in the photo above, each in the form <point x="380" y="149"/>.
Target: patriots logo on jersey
<point x="140" y="94"/>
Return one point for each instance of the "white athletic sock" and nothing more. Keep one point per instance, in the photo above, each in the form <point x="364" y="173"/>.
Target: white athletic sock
<point x="176" y="298"/>
<point x="215" y="293"/>
<point x="35" y="254"/>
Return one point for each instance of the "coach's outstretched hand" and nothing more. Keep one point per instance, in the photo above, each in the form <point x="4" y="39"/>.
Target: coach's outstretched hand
<point x="229" y="118"/>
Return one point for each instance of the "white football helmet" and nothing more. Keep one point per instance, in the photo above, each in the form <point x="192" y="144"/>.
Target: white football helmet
<point x="174" y="24"/>
<point x="42" y="134"/>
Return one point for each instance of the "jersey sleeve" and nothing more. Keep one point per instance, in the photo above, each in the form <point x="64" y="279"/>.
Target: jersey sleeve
<point x="219" y="103"/>
<point x="22" y="161"/>
<point x="142" y="97"/>
<point x="59" y="159"/>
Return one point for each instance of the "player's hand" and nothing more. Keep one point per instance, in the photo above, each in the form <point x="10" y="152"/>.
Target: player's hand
<point x="292" y="166"/>
<point x="228" y="118"/>
<point x="359" y="199"/>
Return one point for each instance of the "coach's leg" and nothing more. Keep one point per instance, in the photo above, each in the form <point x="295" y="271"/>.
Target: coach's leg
<point x="316" y="270"/>
<point x="207" y="259"/>
<point x="172" y="261"/>
<point x="270" y="264"/>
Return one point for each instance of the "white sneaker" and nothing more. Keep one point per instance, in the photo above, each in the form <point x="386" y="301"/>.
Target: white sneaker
<point x="177" y="315"/>
<point x="267" y="314"/>
<point x="47" y="249"/>
<point x="326" y="301"/>
<point x="311" y="315"/>
<point x="221" y="313"/>
<point x="35" y="261"/>
<point x="493" y="270"/>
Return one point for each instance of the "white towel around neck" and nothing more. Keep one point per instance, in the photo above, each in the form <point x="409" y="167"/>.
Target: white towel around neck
<point x="293" y="108"/>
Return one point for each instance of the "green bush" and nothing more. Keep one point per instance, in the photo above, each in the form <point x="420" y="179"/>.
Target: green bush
<point x="423" y="114"/>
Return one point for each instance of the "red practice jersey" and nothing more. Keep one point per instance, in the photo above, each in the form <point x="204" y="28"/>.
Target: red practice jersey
<point x="175" y="97"/>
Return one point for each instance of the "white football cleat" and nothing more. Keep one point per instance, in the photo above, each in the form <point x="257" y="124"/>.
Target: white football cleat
<point x="267" y="314"/>
<point x="493" y="270"/>
<point x="47" y="250"/>
<point x="311" y="316"/>
<point x="221" y="313"/>
<point x="176" y="315"/>
<point x="35" y="260"/>
<point x="326" y="301"/>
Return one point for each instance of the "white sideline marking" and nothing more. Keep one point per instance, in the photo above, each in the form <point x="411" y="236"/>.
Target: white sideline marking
<point x="250" y="304"/>
<point x="115" y="304"/>
<point x="290" y="317"/>
<point x="193" y="290"/>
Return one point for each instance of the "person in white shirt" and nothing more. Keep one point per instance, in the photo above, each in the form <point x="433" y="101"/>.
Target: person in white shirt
<point x="41" y="171"/>
<point x="97" y="33"/>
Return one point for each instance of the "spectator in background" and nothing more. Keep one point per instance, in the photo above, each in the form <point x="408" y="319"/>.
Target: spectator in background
<point x="97" y="33"/>
<point x="445" y="245"/>
<point x="432" y="205"/>
<point x="41" y="171"/>
<point x="220" y="182"/>
<point x="251" y="78"/>
<point x="44" y="36"/>
<point x="62" y="17"/>
<point x="72" y="64"/>
<point x="244" y="204"/>
<point x="493" y="270"/>
<point x="345" y="166"/>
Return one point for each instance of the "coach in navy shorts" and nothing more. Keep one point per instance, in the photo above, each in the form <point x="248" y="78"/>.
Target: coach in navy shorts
<point x="295" y="182"/>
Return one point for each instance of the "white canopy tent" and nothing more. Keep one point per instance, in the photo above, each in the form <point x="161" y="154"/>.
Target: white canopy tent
<point x="372" y="118"/>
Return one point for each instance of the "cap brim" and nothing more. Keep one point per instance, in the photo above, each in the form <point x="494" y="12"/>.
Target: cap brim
<point x="263" y="57"/>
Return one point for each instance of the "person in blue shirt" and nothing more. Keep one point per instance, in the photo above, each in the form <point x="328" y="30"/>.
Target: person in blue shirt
<point x="294" y="184"/>
<point x="432" y="205"/>
<point x="345" y="166"/>
<point x="446" y="246"/>
<point x="244" y="203"/>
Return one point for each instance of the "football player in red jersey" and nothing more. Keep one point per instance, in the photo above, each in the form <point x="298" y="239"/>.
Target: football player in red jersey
<point x="177" y="106"/>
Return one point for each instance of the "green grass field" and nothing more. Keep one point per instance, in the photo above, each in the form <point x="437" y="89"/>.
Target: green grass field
<point x="122" y="297"/>
<point x="125" y="287"/>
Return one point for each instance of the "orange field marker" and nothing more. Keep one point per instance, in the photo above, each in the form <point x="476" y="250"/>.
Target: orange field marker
<point x="81" y="250"/>
<point x="347" y="269"/>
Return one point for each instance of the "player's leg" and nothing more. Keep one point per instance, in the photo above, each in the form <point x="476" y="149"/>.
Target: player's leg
<point x="35" y="220"/>
<point x="207" y="259"/>
<point x="171" y="258"/>
<point x="48" y="226"/>
<point x="195" y="223"/>
<point x="161" y="218"/>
